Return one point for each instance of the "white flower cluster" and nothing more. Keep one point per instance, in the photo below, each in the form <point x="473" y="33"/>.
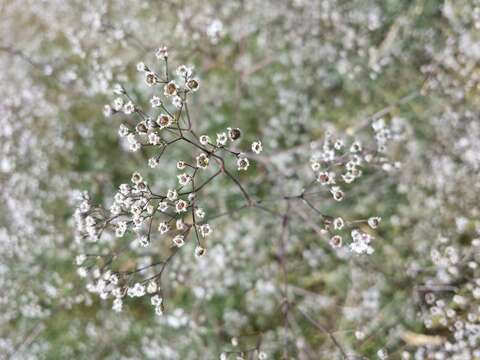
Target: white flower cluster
<point x="361" y="242"/>
<point x="136" y="208"/>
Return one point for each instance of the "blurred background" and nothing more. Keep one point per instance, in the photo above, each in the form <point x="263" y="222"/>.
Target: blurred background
<point x="285" y="72"/>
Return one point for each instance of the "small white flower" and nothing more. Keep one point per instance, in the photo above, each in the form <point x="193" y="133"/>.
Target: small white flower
<point x="156" y="300"/>
<point x="182" y="70"/>
<point x="200" y="213"/>
<point x="90" y="221"/>
<point x="257" y="147"/>
<point x="80" y="259"/>
<point x="360" y="243"/>
<point x="336" y="241"/>
<point x="153" y="162"/>
<point x="170" y="89"/>
<point x="325" y="178"/>
<point x="159" y="310"/>
<point x="373" y="222"/>
<point x="123" y="130"/>
<point x="129" y="108"/>
<point x="152" y="287"/>
<point x="337" y="193"/>
<point x="135" y="146"/>
<point x="179" y="240"/>
<point x="378" y="125"/>
<point x="177" y="101"/>
<point x="348" y="177"/>
<point x="234" y="134"/>
<point x="107" y="111"/>
<point x="138" y="290"/>
<point x="141" y="128"/>
<point x="338" y="145"/>
<point x="119" y="200"/>
<point x="121" y="228"/>
<point x="113" y="279"/>
<point x="181" y="206"/>
<point x="136" y="178"/>
<point x="150" y="78"/>
<point x="181" y="165"/>
<point x="155" y="102"/>
<point x="315" y="165"/>
<point x="82" y="272"/>
<point x="382" y="354"/>
<point x="200" y="251"/>
<point x="356" y="147"/>
<point x="180" y="224"/>
<point x="338" y="223"/>
<point x="222" y="139"/>
<point x="131" y="138"/>
<point x="143" y="241"/>
<point x="162" y="206"/>
<point x="162" y="52"/>
<point x="359" y="335"/>
<point x="192" y="84"/>
<point x="164" y="120"/>
<point x="172" y="194"/>
<point x="163" y="228"/>
<point x="154" y="139"/>
<point x="84" y="206"/>
<point x="141" y="67"/>
<point x="183" y="179"/>
<point x="204" y="139"/>
<point x="118" y="104"/>
<point x="202" y="161"/>
<point x="242" y="163"/>
<point x="118" y="89"/>
<point x="125" y="189"/>
<point x="118" y="292"/>
<point x="117" y="305"/>
<point x="205" y="230"/>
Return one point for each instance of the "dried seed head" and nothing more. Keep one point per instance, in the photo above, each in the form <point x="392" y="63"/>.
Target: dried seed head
<point x="193" y="84"/>
<point x="150" y="78"/>
<point x="164" y="121"/>
<point x="170" y="89"/>
<point x="234" y="134"/>
<point x="141" y="128"/>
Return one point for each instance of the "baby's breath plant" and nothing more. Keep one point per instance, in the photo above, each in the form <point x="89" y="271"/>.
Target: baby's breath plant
<point x="287" y="180"/>
<point x="130" y="247"/>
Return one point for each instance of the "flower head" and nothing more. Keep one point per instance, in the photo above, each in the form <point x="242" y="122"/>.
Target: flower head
<point x="257" y="147"/>
<point x="162" y="52"/>
<point x="242" y="163"/>
<point x="179" y="240"/>
<point x="170" y="89"/>
<point x="181" y="206"/>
